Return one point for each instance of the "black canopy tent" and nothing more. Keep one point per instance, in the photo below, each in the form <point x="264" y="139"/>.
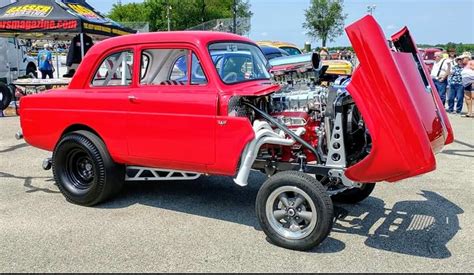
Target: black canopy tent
<point x="56" y="20"/>
<point x="50" y="19"/>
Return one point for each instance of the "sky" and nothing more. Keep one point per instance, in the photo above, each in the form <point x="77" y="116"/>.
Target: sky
<point x="430" y="21"/>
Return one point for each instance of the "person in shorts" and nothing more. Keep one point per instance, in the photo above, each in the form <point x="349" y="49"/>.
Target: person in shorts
<point x="45" y="62"/>
<point x="467" y="75"/>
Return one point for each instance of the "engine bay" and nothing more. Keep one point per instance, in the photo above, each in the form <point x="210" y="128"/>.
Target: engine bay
<point x="317" y="114"/>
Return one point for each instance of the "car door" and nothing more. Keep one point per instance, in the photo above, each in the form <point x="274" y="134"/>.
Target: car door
<point x="172" y="114"/>
<point x="103" y="104"/>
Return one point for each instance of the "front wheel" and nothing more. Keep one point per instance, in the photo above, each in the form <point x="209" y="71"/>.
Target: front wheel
<point x="294" y="210"/>
<point x="84" y="171"/>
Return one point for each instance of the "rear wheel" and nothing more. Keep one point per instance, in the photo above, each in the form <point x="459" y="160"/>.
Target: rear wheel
<point x="84" y="171"/>
<point x="355" y="195"/>
<point x="294" y="210"/>
<point x="5" y="96"/>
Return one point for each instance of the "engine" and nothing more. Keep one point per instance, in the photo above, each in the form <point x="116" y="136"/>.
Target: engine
<point x="296" y="106"/>
<point x="311" y="120"/>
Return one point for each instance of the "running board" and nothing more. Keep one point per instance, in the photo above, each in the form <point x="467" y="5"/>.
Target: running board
<point x="137" y="173"/>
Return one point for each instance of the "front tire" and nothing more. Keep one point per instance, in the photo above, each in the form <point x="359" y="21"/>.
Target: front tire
<point x="354" y="195"/>
<point x="84" y="171"/>
<point x="294" y="210"/>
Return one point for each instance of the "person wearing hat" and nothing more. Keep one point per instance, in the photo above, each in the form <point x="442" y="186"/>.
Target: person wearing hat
<point x="439" y="74"/>
<point x="45" y="62"/>
<point x="456" y="89"/>
<point x="324" y="54"/>
<point x="467" y="75"/>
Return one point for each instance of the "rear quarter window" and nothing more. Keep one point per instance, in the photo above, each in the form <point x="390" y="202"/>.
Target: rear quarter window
<point x="115" y="70"/>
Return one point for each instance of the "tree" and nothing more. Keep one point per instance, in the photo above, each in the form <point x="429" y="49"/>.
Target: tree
<point x="183" y="15"/>
<point x="324" y="20"/>
<point x="132" y="12"/>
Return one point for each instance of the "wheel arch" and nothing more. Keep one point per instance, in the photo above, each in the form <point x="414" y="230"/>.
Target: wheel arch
<point x="116" y="156"/>
<point x="79" y="127"/>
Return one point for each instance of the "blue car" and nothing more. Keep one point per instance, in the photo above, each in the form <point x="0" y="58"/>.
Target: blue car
<point x="273" y="52"/>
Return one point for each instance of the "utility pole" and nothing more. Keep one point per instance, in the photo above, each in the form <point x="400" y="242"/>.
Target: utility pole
<point x="168" y="9"/>
<point x="370" y="9"/>
<point x="234" y="9"/>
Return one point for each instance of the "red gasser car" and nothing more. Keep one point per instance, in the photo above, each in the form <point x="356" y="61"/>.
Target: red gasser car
<point x="175" y="105"/>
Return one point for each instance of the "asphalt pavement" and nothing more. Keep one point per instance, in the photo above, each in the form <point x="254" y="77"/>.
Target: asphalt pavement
<point x="423" y="224"/>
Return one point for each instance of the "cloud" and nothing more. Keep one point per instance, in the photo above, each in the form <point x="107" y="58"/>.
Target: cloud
<point x="264" y="34"/>
<point x="391" y="27"/>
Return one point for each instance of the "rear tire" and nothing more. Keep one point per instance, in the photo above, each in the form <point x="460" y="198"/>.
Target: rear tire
<point x="354" y="195"/>
<point x="294" y="210"/>
<point x="84" y="171"/>
<point x="5" y="96"/>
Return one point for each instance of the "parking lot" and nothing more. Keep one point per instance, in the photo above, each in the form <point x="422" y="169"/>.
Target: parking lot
<point x="423" y="224"/>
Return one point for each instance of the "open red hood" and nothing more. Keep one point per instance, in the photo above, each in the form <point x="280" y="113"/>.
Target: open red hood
<point x="399" y="103"/>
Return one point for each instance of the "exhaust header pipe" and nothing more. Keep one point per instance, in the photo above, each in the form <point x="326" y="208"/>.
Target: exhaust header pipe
<point x="264" y="134"/>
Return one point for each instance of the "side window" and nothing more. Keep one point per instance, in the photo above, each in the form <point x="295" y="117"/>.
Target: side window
<point x="164" y="67"/>
<point x="144" y="65"/>
<point x="179" y="69"/>
<point x="198" y="77"/>
<point x="115" y="70"/>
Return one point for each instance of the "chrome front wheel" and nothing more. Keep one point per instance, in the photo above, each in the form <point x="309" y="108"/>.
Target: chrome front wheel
<point x="291" y="212"/>
<point x="294" y="210"/>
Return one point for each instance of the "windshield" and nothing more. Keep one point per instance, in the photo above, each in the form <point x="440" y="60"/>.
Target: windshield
<point x="291" y="50"/>
<point x="238" y="62"/>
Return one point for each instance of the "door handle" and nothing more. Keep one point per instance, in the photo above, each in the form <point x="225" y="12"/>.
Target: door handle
<point x="132" y="98"/>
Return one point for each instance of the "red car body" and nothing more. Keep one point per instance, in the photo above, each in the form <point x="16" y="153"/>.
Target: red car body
<point x="188" y="127"/>
<point x="390" y="95"/>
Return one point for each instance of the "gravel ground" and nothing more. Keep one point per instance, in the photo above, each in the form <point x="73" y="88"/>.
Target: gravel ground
<point x="209" y="225"/>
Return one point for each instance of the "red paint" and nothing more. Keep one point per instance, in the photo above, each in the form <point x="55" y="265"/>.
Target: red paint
<point x="309" y="136"/>
<point x="173" y="127"/>
<point x="398" y="111"/>
<point x="187" y="127"/>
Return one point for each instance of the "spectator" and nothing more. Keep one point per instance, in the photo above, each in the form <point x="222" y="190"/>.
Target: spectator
<point x="324" y="54"/>
<point x="45" y="62"/>
<point x="456" y="90"/>
<point x="467" y="75"/>
<point x="452" y="55"/>
<point x="440" y="73"/>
